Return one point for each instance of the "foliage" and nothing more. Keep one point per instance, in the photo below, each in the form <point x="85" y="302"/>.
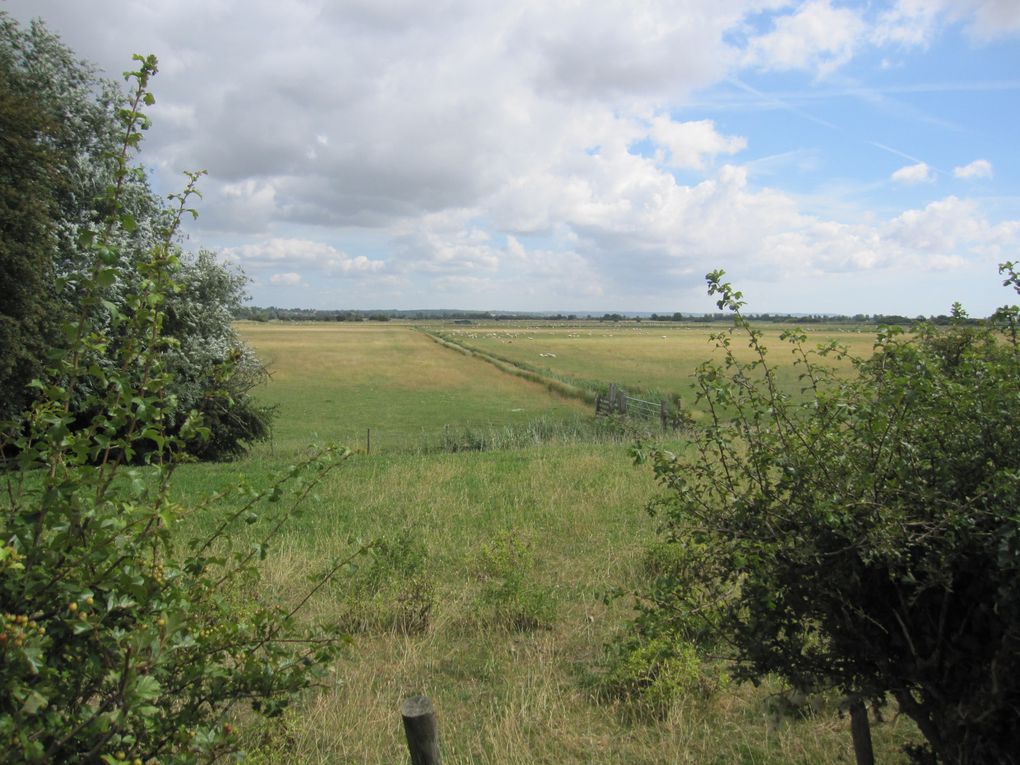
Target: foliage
<point x="121" y="641"/>
<point x="504" y="566"/>
<point x="63" y="181"/>
<point x="865" y="537"/>
<point x="28" y="178"/>
<point x="213" y="371"/>
<point x="656" y="671"/>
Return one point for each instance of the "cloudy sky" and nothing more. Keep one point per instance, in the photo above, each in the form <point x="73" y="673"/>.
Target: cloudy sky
<point x="544" y="155"/>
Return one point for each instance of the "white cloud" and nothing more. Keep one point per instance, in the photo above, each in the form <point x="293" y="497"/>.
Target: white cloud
<point x="979" y="168"/>
<point x="487" y="146"/>
<point x="291" y="279"/>
<point x="689" y="144"/>
<point x="816" y="37"/>
<point x="919" y="173"/>
<point x="917" y="22"/>
<point x="951" y="227"/>
<point x="310" y="255"/>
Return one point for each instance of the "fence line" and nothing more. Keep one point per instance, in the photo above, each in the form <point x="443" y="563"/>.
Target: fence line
<point x="616" y="401"/>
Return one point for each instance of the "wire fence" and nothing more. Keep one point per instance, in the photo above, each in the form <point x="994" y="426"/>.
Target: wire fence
<point x="616" y="401"/>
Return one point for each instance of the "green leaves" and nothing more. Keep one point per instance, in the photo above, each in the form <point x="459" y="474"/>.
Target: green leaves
<point x="116" y="642"/>
<point x="832" y="539"/>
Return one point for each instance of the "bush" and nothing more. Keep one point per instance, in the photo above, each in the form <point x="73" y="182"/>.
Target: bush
<point x="509" y="596"/>
<point x="863" y="537"/>
<point x="391" y="588"/>
<point x="119" y="641"/>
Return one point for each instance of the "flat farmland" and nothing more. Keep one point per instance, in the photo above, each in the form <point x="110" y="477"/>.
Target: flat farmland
<point x="497" y="579"/>
<point x="332" y="382"/>
<point x="640" y="356"/>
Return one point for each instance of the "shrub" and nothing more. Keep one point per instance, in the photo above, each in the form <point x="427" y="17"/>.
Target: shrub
<point x="119" y="641"/>
<point x="863" y="537"/>
<point x="63" y="181"/>
<point x="389" y="588"/>
<point x="513" y="600"/>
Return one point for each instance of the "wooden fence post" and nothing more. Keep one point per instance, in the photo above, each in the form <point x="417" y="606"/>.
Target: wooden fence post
<point x="663" y="414"/>
<point x="421" y="730"/>
<point x="860" y="732"/>
<point x="612" y="398"/>
<point x="622" y="405"/>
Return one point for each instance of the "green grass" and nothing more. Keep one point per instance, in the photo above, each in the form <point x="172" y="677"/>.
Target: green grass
<point x="334" y="382"/>
<point x="489" y="588"/>
<point x="660" y="360"/>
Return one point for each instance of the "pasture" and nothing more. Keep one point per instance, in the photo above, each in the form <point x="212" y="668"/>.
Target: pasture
<point x="490" y="583"/>
<point x="641" y="356"/>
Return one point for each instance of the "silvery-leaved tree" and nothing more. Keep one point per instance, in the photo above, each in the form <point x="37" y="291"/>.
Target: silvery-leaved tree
<point x="61" y="165"/>
<point x="862" y="535"/>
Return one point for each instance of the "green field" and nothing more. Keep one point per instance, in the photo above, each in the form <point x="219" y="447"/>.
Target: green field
<point x="334" y="382"/>
<point x="487" y="590"/>
<point x="657" y="359"/>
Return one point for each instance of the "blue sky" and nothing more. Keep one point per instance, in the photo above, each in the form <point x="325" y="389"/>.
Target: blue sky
<point x="831" y="156"/>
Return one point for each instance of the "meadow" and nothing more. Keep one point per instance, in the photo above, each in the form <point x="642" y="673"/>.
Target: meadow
<point x="496" y="577"/>
<point x="656" y="359"/>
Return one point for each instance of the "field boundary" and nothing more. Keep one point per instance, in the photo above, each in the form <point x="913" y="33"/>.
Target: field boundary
<point x="551" y="383"/>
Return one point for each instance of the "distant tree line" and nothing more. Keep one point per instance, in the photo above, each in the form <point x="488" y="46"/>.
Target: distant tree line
<point x="273" y="313"/>
<point x="877" y="319"/>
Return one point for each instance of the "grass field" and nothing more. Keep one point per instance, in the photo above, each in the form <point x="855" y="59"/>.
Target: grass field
<point x="488" y="586"/>
<point x="334" y="382"/>
<point x="658" y="359"/>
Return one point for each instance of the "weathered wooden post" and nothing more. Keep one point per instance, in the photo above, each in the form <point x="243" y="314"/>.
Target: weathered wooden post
<point x="663" y="414"/>
<point x="622" y="403"/>
<point x="860" y="732"/>
<point x="421" y="730"/>
<point x="612" y="398"/>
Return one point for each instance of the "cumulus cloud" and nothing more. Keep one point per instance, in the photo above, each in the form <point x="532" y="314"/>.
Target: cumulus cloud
<point x="690" y="144"/>
<point x="917" y="22"/>
<point x="919" y="173"/>
<point x="816" y="37"/>
<point x="271" y="253"/>
<point x="510" y="150"/>
<point x="979" y="168"/>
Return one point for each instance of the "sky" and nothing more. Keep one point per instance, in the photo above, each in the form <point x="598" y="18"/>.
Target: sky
<point x="538" y="155"/>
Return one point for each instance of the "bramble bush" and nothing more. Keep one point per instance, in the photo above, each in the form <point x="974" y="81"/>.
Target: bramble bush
<point x="864" y="536"/>
<point x="121" y="640"/>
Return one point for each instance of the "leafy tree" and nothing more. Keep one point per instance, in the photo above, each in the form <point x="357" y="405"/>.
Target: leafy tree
<point x="121" y="640"/>
<point x="29" y="179"/>
<point x="62" y="160"/>
<point x="863" y="536"/>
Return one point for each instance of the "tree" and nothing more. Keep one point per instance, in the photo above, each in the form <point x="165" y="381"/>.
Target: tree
<point x="29" y="179"/>
<point x="62" y="131"/>
<point x="864" y="535"/>
<point x="121" y="640"/>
